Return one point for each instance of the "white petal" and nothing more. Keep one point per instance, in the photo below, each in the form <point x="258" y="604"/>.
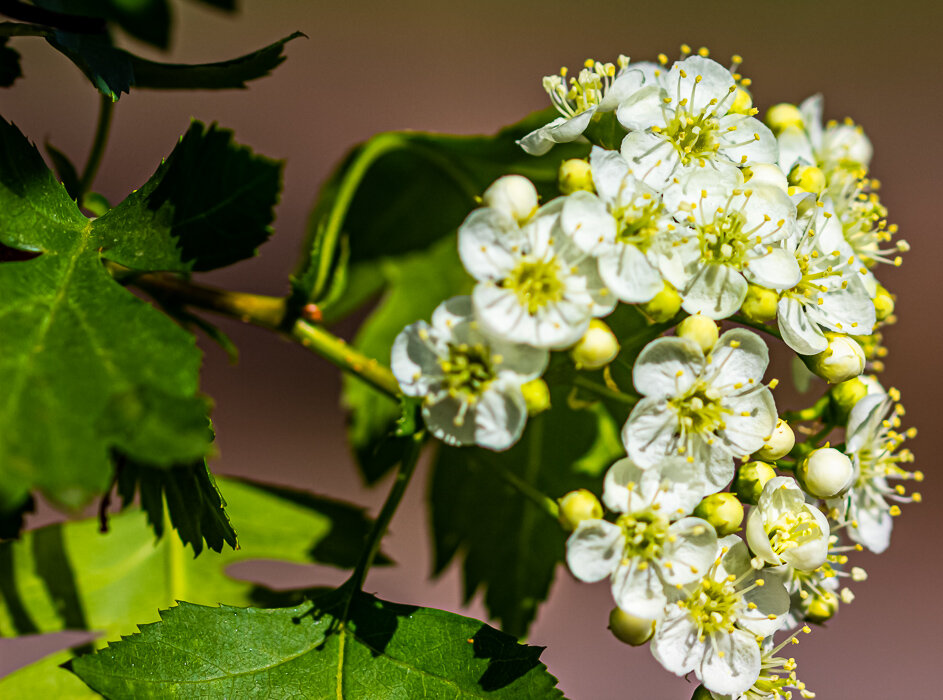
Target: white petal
<point x="716" y="291"/>
<point x="676" y="645"/>
<point x="731" y="663"/>
<point x="642" y="110"/>
<point x="704" y="80"/>
<point x="798" y="332"/>
<point x="777" y="269"/>
<point x="499" y="416"/>
<point x="594" y="550"/>
<point x="626" y="84"/>
<point x="587" y="221"/>
<point x="609" y="170"/>
<point x="629" y="274"/>
<point x="638" y="590"/>
<point x="450" y="420"/>
<point x="874" y="529"/>
<point x="484" y="241"/>
<point x="692" y="553"/>
<point x="794" y="148"/>
<point x="648" y="434"/>
<point x="651" y="158"/>
<point x="752" y="420"/>
<point x="738" y="356"/>
<point x="667" y="367"/>
<point x="742" y="140"/>
<point x="759" y="540"/>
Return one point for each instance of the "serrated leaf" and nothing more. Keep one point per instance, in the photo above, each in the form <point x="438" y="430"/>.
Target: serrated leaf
<point x="86" y="366"/>
<point x="384" y="650"/>
<point x="148" y="20"/>
<point x="71" y="576"/>
<point x="401" y="191"/>
<point x="9" y="64"/>
<point x="209" y="205"/>
<point x="415" y="285"/>
<point x="108" y="68"/>
<point x="194" y="505"/>
<point x="510" y="545"/>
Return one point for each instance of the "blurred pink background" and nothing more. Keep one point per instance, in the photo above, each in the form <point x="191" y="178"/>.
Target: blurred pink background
<point x="472" y="68"/>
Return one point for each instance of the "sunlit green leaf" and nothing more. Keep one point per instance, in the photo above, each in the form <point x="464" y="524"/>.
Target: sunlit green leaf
<point x="384" y="650"/>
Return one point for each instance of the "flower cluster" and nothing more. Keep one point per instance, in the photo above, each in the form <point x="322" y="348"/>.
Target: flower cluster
<point x="699" y="212"/>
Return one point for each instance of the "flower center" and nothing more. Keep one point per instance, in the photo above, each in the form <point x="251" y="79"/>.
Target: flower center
<point x="638" y="223"/>
<point x="724" y="240"/>
<point x="584" y="91"/>
<point x="808" y="289"/>
<point x="645" y="534"/>
<point x="693" y="135"/>
<point x="712" y="606"/>
<point x="698" y="411"/>
<point x="791" y="530"/>
<point x="468" y="370"/>
<point x="537" y="283"/>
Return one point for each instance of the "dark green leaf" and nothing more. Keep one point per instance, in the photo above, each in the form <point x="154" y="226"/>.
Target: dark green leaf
<point x="194" y="505"/>
<point x="416" y="284"/>
<point x="9" y="64"/>
<point x="68" y="175"/>
<point x="512" y="545"/>
<point x="87" y="367"/>
<point x="107" y="67"/>
<point x="234" y="73"/>
<point x="12" y="518"/>
<point x="148" y="20"/>
<point x="384" y="650"/>
<point x="70" y="576"/>
<point x="209" y="205"/>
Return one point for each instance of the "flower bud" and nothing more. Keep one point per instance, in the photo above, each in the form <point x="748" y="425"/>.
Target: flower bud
<point x="723" y="511"/>
<point x="779" y="444"/>
<point x="842" y="360"/>
<point x="825" y="473"/>
<point x="742" y="102"/>
<point x="665" y="305"/>
<point x="514" y="195"/>
<point x="574" y="175"/>
<point x="760" y="304"/>
<point x="821" y="607"/>
<point x="808" y="177"/>
<point x="765" y="174"/>
<point x="883" y="303"/>
<point x="629" y="628"/>
<point x="597" y="348"/>
<point x="702" y="330"/>
<point x="783" y="115"/>
<point x="536" y="396"/>
<point x="846" y="395"/>
<point x="577" y="506"/>
<point x="751" y="478"/>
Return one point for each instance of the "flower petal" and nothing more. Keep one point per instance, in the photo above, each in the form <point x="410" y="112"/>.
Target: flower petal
<point x="594" y="550"/>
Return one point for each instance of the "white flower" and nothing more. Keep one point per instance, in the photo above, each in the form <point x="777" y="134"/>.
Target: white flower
<point x="830" y="295"/>
<point x="713" y="624"/>
<point x="651" y="545"/>
<point x="777" y="675"/>
<point x="784" y="529"/>
<point x="835" y="147"/>
<point x="738" y="231"/>
<point x="685" y="122"/>
<point x="470" y="383"/>
<point x="707" y="408"/>
<point x="626" y="227"/>
<point x="873" y="439"/>
<point x="535" y="286"/>
<point x="598" y="88"/>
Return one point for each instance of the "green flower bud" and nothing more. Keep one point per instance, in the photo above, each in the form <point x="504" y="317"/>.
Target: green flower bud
<point x="751" y="478"/>
<point x="883" y="303"/>
<point x="783" y="115"/>
<point x="597" y="348"/>
<point x="825" y="473"/>
<point x="742" y="103"/>
<point x="846" y="395"/>
<point x="808" y="177"/>
<point x="515" y="195"/>
<point x="577" y="506"/>
<point x="665" y="305"/>
<point x="842" y="360"/>
<point x="723" y="511"/>
<point x="765" y="174"/>
<point x="536" y="396"/>
<point x="779" y="444"/>
<point x="760" y="304"/>
<point x="629" y="628"/>
<point x="702" y="693"/>
<point x="820" y="608"/>
<point x="702" y="330"/>
<point x="575" y="175"/>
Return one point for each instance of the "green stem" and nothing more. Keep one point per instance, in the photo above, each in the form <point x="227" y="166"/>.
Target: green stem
<point x="406" y="469"/>
<point x="105" y="112"/>
<point x="813" y="412"/>
<point x="743" y="320"/>
<point x="604" y="391"/>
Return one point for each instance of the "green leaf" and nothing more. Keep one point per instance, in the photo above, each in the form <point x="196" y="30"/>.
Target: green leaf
<point x="148" y="20"/>
<point x="9" y="64"/>
<point x="12" y="520"/>
<point x="415" y="285"/>
<point x="86" y="365"/>
<point x="108" y="68"/>
<point x="401" y="191"/>
<point x="70" y="576"/>
<point x="194" y="505"/>
<point x="234" y="73"/>
<point x="384" y="650"/>
<point x="509" y="541"/>
<point x="209" y="205"/>
<point x="68" y="175"/>
<point x="46" y="679"/>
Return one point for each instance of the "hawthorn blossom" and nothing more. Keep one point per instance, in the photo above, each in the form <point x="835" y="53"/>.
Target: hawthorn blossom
<point x="784" y="529"/>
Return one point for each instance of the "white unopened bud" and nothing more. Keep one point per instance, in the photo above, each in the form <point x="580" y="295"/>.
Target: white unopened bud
<point x="765" y="174"/>
<point x="782" y="116"/>
<point x="702" y="330"/>
<point x="629" y="628"/>
<point x="514" y="195"/>
<point x="597" y="348"/>
<point x="779" y="444"/>
<point x="760" y="304"/>
<point x="574" y="175"/>
<point x="577" y="506"/>
<point x="826" y="473"/>
<point x="808" y="177"/>
<point x="842" y="360"/>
